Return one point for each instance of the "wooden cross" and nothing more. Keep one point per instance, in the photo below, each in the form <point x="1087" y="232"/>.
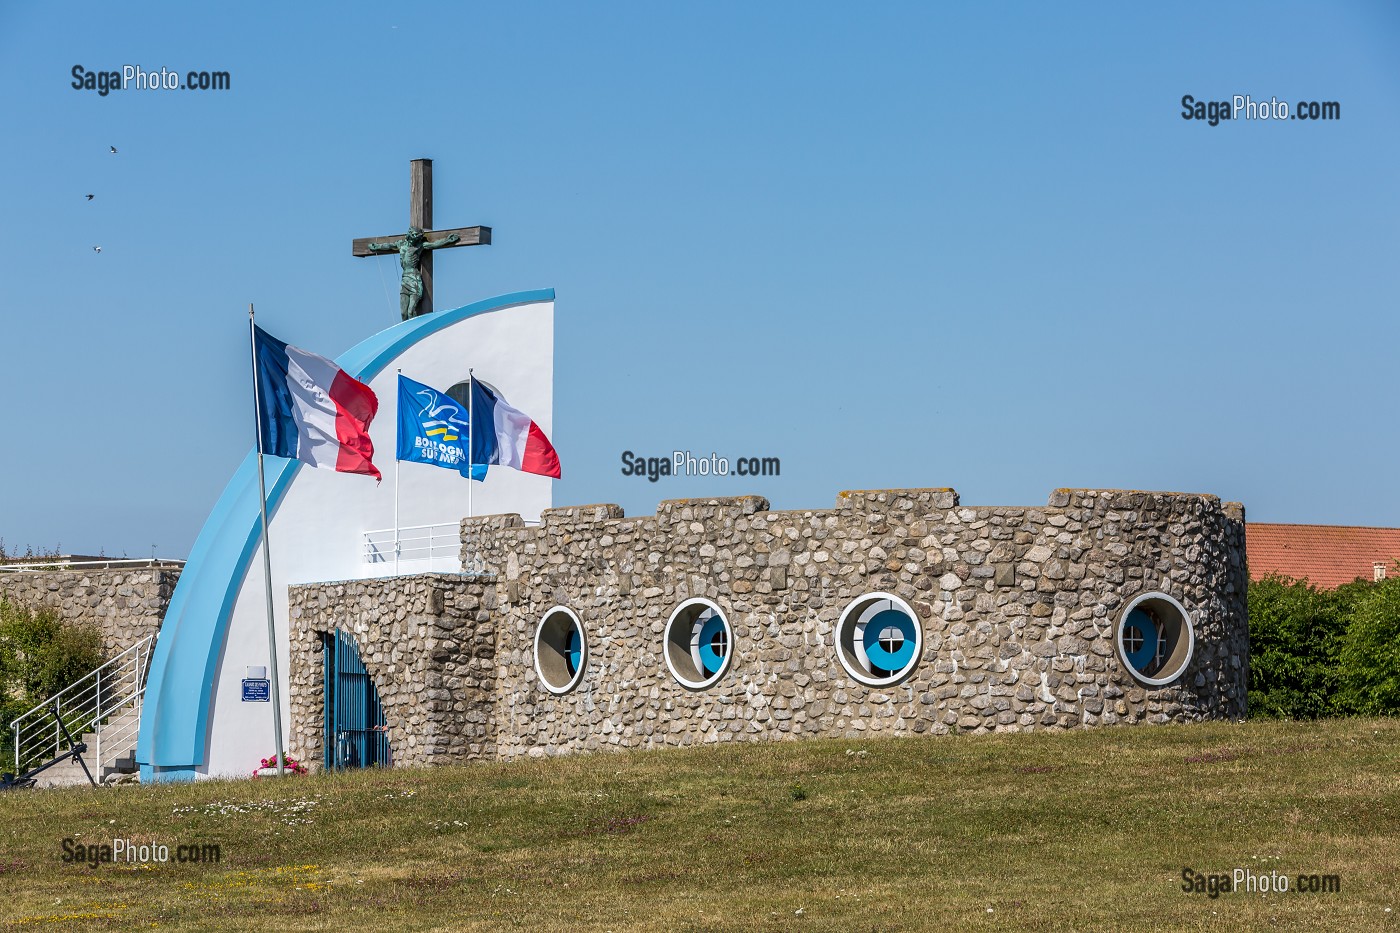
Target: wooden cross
<point x="420" y="215"/>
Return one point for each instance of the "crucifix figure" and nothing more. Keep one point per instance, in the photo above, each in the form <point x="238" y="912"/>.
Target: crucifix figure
<point x="412" y="261"/>
<point x="414" y="248"/>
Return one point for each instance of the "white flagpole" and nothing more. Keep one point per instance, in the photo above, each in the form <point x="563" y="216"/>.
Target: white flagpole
<point x="471" y="426"/>
<point x="267" y="554"/>
<point x="397" y="546"/>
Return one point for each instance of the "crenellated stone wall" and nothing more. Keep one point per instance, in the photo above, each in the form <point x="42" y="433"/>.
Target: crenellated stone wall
<point x="126" y="605"/>
<point x="1018" y="607"/>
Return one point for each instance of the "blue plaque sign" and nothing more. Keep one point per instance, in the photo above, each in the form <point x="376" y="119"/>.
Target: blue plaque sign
<point x="257" y="690"/>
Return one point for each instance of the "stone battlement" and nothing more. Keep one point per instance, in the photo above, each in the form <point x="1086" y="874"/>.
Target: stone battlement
<point x="1015" y="618"/>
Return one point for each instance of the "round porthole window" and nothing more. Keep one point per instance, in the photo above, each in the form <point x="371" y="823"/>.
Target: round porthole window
<point x="699" y="643"/>
<point x="879" y="639"/>
<point x="1155" y="638"/>
<point x="561" y="652"/>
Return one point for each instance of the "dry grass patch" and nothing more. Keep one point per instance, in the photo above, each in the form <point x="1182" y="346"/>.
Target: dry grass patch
<point x="1087" y="830"/>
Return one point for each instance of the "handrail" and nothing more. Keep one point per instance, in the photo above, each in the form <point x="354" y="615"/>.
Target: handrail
<point x="94" y="674"/>
<point x="455" y="526"/>
<point x="157" y="563"/>
<point x="110" y="694"/>
<point x="412" y="542"/>
<point x="416" y="542"/>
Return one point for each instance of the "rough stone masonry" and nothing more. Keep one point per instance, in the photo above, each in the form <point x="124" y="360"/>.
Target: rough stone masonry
<point x="125" y="605"/>
<point x="1019" y="609"/>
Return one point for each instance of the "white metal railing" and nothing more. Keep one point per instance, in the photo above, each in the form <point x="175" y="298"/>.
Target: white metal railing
<point x="440" y="542"/>
<point x="106" y="702"/>
<point x="123" y="564"/>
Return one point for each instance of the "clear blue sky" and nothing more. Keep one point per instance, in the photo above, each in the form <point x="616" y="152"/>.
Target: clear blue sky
<point x="892" y="244"/>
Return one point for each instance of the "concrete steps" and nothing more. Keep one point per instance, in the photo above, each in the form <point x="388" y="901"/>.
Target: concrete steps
<point x="119" y="744"/>
<point x="107" y="701"/>
<point x="118" y="754"/>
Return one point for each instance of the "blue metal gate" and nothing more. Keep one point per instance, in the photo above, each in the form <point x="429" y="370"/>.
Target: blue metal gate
<point x="356" y="734"/>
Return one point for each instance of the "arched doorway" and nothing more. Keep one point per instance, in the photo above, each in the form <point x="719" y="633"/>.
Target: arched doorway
<point x="356" y="734"/>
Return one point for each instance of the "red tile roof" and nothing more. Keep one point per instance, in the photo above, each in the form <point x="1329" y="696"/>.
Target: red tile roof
<point x="1326" y="555"/>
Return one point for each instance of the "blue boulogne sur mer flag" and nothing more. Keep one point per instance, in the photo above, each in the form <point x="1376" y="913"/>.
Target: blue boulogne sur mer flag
<point x="433" y="429"/>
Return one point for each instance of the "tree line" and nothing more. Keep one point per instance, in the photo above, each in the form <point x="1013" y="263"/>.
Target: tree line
<point x="1315" y="652"/>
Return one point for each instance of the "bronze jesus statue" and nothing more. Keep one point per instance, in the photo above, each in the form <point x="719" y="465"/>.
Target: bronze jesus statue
<point x="410" y="250"/>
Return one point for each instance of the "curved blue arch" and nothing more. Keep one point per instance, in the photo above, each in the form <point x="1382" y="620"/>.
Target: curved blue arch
<point x="175" y="714"/>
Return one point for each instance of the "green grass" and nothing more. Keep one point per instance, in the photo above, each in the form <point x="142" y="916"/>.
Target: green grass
<point x="1072" y="831"/>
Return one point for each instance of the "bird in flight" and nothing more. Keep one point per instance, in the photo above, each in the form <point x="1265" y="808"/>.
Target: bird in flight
<point x="113" y="149"/>
<point x="97" y="249"/>
<point x="91" y="196"/>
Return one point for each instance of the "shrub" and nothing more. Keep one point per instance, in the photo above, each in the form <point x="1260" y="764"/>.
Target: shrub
<point x="1369" y="670"/>
<point x="1316" y="652"/>
<point x="39" y="656"/>
<point x="1294" y="636"/>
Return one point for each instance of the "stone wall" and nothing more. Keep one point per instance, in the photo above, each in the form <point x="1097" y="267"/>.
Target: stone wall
<point x="1018" y="607"/>
<point x="428" y="643"/>
<point x="125" y="605"/>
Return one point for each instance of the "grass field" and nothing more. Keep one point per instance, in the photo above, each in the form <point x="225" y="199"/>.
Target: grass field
<point x="1077" y="831"/>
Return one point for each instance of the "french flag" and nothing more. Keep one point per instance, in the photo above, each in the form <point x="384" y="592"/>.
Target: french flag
<point x="310" y="410"/>
<point x="507" y="435"/>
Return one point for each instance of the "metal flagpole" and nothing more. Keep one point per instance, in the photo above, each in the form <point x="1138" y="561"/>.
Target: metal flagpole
<point x="471" y="426"/>
<point x="397" y="546"/>
<point x="267" y="554"/>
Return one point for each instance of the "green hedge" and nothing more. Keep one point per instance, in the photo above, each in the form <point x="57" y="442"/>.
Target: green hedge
<point x="39" y="656"/>
<point x="1316" y="652"/>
